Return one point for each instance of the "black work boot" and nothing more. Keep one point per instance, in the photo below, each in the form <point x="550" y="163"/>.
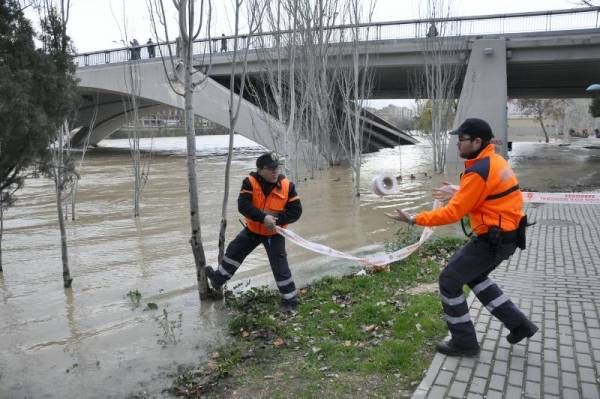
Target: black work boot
<point x="289" y="306"/>
<point x="212" y="277"/>
<point x="449" y="348"/>
<point x="525" y="330"/>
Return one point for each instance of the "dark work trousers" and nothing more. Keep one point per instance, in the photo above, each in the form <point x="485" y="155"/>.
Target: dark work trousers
<point x="243" y="245"/>
<point x="471" y="265"/>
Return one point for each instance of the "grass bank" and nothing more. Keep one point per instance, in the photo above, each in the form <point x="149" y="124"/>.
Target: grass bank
<point x="357" y="336"/>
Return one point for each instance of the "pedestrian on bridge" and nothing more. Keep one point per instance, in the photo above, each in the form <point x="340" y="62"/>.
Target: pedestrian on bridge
<point x="267" y="199"/>
<point x="489" y="195"/>
<point x="151" y="48"/>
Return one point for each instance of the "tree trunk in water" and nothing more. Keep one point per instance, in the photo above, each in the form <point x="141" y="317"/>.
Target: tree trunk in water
<point x="63" y="240"/>
<point x="545" y="131"/>
<point x="1" y="230"/>
<point x="196" y="237"/>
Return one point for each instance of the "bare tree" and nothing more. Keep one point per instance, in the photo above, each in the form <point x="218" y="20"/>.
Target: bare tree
<point x="180" y="71"/>
<point x="355" y="85"/>
<point x="5" y="199"/>
<point x="441" y="74"/>
<point x="60" y="167"/>
<point x="542" y="110"/>
<point x="297" y="82"/>
<point x="254" y="12"/>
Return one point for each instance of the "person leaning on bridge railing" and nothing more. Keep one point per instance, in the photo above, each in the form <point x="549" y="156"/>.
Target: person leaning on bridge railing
<point x="489" y="194"/>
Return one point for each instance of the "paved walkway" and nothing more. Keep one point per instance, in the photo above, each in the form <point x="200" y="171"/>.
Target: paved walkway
<point x="557" y="282"/>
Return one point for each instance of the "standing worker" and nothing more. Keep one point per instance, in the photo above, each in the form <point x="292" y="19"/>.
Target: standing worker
<point x="489" y="194"/>
<point x="266" y="199"/>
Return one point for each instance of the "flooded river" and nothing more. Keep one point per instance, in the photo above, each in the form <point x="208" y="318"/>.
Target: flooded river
<point x="92" y="341"/>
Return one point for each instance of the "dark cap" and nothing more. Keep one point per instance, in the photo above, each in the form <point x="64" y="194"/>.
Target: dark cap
<point x="475" y="127"/>
<point x="269" y="160"/>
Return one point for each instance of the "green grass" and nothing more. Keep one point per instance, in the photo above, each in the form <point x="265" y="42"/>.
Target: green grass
<point x="349" y="334"/>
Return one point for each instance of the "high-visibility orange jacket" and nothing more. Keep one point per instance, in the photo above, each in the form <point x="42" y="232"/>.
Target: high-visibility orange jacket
<point x="488" y="193"/>
<point x="273" y="204"/>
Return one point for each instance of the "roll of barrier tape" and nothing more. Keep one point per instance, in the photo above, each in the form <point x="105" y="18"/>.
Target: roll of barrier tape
<point x="384" y="185"/>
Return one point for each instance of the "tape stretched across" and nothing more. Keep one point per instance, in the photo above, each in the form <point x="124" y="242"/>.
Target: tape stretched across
<point x="378" y="259"/>
<point x="382" y="259"/>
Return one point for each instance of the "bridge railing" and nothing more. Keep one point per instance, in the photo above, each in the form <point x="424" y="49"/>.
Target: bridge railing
<point x="529" y="22"/>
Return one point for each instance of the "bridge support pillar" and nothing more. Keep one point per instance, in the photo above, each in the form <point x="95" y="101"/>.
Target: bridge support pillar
<point x="483" y="95"/>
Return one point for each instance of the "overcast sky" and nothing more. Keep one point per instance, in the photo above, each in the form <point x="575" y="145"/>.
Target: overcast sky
<point x="99" y="24"/>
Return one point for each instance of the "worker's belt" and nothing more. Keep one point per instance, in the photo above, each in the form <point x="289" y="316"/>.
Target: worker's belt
<point x="505" y="236"/>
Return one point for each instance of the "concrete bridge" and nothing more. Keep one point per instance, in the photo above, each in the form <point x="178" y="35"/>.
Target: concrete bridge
<point x="538" y="54"/>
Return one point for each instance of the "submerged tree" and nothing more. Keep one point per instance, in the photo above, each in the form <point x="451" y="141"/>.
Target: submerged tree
<point x="542" y="110"/>
<point x="37" y="92"/>
<point x="60" y="166"/>
<point x="184" y="80"/>
<point x="441" y="74"/>
<point x="254" y="12"/>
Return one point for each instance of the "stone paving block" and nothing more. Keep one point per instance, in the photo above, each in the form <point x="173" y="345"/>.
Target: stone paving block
<point x="569" y="380"/>
<point x="437" y="392"/>
<point x="590" y="391"/>
<point x="494" y="395"/>
<point x="533" y="373"/>
<point x="444" y="377"/>
<point x="587" y="374"/>
<point x="497" y="382"/>
<point x="473" y="395"/>
<point x="534" y="359"/>
<point x="584" y="359"/>
<point x="515" y="377"/>
<point x="486" y="357"/>
<point x="550" y="356"/>
<point x="517" y="363"/>
<point x="535" y="347"/>
<point x="478" y="385"/>
<point x="568" y="393"/>
<point x="532" y="390"/>
<point x="450" y="363"/>
<point x="457" y="389"/>
<point x="551" y="370"/>
<point x="513" y="392"/>
<point x="500" y="367"/>
<point x="580" y="336"/>
<point x="567" y="364"/>
<point x="482" y="370"/>
<point x="550" y="385"/>
<point x="566" y="351"/>
<point x="464" y="373"/>
<point x="581" y="347"/>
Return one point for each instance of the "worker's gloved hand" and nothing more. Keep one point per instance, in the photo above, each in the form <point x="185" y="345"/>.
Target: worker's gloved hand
<point x="270" y="221"/>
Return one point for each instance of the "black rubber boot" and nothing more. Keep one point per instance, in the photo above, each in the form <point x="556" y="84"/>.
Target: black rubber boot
<point x="449" y="348"/>
<point x="525" y="330"/>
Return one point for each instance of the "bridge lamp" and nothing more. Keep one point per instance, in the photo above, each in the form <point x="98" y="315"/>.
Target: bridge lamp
<point x="594" y="91"/>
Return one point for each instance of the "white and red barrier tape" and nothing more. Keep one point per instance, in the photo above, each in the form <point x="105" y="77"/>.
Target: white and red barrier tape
<point x="382" y="258"/>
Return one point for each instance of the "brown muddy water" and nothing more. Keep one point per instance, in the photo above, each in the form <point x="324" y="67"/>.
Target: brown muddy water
<point x="92" y="341"/>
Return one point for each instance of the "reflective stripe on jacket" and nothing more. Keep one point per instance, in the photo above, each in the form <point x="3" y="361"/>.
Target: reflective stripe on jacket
<point x="273" y="204"/>
<point x="488" y="193"/>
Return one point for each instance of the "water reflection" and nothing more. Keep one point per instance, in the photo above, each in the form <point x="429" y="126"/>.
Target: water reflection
<point x="45" y="330"/>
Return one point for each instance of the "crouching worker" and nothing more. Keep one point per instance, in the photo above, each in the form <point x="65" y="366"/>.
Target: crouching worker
<point x="266" y="199"/>
<point x="489" y="194"/>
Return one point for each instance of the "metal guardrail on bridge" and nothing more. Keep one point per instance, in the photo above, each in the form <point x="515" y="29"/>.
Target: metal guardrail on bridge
<point x="528" y="22"/>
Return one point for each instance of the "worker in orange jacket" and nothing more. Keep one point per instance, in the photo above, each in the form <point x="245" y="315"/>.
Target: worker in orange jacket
<point x="267" y="199"/>
<point x="489" y="194"/>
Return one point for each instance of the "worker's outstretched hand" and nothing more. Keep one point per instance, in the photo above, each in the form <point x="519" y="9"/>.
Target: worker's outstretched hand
<point x="445" y="192"/>
<point x="399" y="215"/>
